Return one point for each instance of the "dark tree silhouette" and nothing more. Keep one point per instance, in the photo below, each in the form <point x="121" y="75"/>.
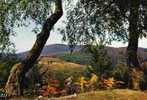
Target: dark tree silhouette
<point x="14" y="85"/>
<point x="110" y="18"/>
<point x="133" y="34"/>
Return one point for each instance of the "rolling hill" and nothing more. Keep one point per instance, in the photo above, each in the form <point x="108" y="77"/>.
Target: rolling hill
<point x="53" y="49"/>
<point x="56" y="49"/>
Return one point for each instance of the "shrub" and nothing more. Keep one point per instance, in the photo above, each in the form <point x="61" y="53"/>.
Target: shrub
<point x="110" y="83"/>
<point x="61" y="77"/>
<point x="6" y="64"/>
<point x="100" y="61"/>
<point x="76" y="57"/>
<point x="121" y="70"/>
<point x="88" y="70"/>
<point x="121" y="73"/>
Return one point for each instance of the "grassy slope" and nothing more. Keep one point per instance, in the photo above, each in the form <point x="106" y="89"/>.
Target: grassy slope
<point x="57" y="68"/>
<point x="116" y="94"/>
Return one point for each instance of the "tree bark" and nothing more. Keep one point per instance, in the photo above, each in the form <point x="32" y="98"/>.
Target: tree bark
<point x="14" y="85"/>
<point x="133" y="34"/>
<point x="132" y="58"/>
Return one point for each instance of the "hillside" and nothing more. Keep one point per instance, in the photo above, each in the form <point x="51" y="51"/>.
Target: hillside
<point x="53" y="49"/>
<point x="57" y="49"/>
<point x="117" y="94"/>
<point x="54" y="68"/>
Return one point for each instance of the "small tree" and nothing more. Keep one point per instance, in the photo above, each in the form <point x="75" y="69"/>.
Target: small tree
<point x="100" y="61"/>
<point x="72" y="44"/>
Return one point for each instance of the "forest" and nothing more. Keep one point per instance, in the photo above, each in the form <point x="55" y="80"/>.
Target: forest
<point x="85" y="65"/>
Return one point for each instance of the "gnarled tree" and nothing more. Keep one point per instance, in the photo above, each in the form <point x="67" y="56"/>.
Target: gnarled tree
<point x="113" y="19"/>
<point x="14" y="85"/>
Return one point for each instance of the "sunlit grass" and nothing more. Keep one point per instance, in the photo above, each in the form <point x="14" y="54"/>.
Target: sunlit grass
<point x="116" y="94"/>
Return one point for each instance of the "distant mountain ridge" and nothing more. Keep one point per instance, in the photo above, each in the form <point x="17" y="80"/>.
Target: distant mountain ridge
<point x="53" y="49"/>
<point x="56" y="49"/>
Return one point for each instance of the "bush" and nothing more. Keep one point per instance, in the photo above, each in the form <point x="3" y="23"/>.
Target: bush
<point x="6" y="64"/>
<point x="61" y="77"/>
<point x="88" y="70"/>
<point x="76" y="57"/>
<point x="100" y="61"/>
<point x="121" y="70"/>
<point x="110" y="83"/>
<point x="121" y="73"/>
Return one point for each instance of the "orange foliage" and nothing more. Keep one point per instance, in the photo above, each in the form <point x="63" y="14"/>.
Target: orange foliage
<point x="52" y="89"/>
<point x="109" y="83"/>
<point x="49" y="91"/>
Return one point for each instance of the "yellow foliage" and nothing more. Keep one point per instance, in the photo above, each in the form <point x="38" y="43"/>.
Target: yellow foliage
<point x="82" y="83"/>
<point x="110" y="83"/>
<point x="90" y="84"/>
<point x="94" y="79"/>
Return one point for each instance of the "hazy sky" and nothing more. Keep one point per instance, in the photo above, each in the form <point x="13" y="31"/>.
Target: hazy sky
<point x="25" y="38"/>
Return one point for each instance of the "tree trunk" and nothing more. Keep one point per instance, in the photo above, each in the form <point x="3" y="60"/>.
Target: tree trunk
<point x="14" y="85"/>
<point x="133" y="34"/>
<point x="132" y="58"/>
<point x="136" y="76"/>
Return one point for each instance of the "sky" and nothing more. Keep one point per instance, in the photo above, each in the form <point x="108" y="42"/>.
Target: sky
<point x="25" y="38"/>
